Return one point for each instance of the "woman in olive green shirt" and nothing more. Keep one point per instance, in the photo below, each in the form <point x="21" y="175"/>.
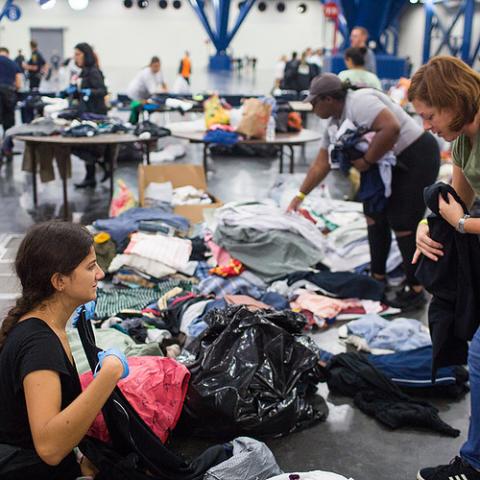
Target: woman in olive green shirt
<point x="446" y="94"/>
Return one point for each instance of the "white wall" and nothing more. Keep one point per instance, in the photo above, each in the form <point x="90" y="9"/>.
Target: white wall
<point x="125" y="39"/>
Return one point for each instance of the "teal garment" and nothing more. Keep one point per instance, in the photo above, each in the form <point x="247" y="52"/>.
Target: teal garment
<point x="271" y="254"/>
<point x="109" y="338"/>
<point x="113" y="301"/>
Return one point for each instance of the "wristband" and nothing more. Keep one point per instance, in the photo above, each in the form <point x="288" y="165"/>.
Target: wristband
<point x="424" y="221"/>
<point x="301" y="195"/>
<point x="117" y="353"/>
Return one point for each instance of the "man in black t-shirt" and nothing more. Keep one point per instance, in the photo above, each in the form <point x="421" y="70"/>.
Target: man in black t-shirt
<point x="10" y="82"/>
<point x="35" y="66"/>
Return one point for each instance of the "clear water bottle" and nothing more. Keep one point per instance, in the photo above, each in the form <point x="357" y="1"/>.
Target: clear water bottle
<point x="271" y="129"/>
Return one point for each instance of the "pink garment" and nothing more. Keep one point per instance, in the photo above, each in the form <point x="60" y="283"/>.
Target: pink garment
<point x="221" y="256"/>
<point x="249" y="302"/>
<point x="323" y="307"/>
<point x="156" y="388"/>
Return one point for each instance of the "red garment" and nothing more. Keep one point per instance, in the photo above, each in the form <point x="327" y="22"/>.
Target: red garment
<point x="156" y="388"/>
<point x="233" y="269"/>
<point x="306" y="214"/>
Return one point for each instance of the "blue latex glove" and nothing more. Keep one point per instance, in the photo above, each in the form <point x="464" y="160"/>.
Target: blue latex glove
<point x="89" y="312"/>
<point x="87" y="92"/>
<point x="71" y="89"/>
<point x="117" y="353"/>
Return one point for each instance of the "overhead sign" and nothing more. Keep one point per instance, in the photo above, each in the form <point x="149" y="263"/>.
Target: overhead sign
<point x="11" y="11"/>
<point x="330" y="10"/>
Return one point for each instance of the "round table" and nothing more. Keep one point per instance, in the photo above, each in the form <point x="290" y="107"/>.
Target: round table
<point x="111" y="140"/>
<point x="281" y="140"/>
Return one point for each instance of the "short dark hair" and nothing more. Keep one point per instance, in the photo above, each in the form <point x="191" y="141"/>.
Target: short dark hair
<point x="5" y="49"/>
<point x="356" y="55"/>
<point x="154" y="59"/>
<point x="33" y="44"/>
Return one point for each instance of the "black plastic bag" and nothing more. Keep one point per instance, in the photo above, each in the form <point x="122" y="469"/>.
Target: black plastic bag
<point x="251" y="375"/>
<point x="149" y="127"/>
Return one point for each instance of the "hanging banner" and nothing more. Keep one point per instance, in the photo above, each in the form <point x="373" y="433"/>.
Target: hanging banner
<point x="11" y="11"/>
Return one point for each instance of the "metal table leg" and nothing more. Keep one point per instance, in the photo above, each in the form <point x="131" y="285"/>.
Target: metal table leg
<point x="292" y="159"/>
<point x="281" y="158"/>
<point x="147" y="152"/>
<point x="66" y="209"/>
<point x="33" y="149"/>
<point x="205" y="154"/>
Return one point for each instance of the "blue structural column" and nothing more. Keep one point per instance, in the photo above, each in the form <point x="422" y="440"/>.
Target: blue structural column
<point x="467" y="31"/>
<point x="427" y="40"/>
<point x="221" y="37"/>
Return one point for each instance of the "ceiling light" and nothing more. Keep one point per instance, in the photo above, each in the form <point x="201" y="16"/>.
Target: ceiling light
<point x="128" y="3"/>
<point x="142" y="3"/>
<point x="47" y="4"/>
<point x="163" y="4"/>
<point x="302" y="8"/>
<point x="262" y="6"/>
<point x="78" y="4"/>
<point x="177" y="4"/>
<point x="281" y="7"/>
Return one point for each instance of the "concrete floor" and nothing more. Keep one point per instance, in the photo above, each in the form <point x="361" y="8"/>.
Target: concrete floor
<point x="349" y="442"/>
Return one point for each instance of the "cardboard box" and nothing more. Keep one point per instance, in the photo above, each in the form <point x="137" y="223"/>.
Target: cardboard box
<point x="179" y="176"/>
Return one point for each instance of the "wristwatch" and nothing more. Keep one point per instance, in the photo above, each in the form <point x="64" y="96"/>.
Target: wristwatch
<point x="461" y="224"/>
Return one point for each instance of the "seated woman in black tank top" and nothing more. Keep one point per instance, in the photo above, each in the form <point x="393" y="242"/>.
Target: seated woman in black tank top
<point x="44" y="413"/>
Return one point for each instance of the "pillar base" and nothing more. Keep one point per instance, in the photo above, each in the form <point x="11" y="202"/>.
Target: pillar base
<point x="220" y="62"/>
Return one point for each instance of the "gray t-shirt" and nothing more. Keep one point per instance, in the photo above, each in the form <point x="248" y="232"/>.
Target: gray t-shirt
<point x="362" y="108"/>
<point x="370" y="61"/>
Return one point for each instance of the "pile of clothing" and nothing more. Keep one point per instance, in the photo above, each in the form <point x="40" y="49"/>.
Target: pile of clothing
<point x="232" y="303"/>
<point x="157" y="194"/>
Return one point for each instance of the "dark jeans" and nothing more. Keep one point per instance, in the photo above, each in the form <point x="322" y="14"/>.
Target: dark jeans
<point x="8" y="99"/>
<point x="417" y="168"/>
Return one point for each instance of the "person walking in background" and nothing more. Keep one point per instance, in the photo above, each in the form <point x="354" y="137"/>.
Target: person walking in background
<point x="280" y="71"/>
<point x="35" y="66"/>
<point x="356" y="73"/>
<point x="358" y="39"/>
<point x="20" y="59"/>
<point x="147" y="82"/>
<point x="185" y="69"/>
<point x="90" y="91"/>
<point x="10" y="83"/>
<point x="305" y="73"/>
<point x="290" y="76"/>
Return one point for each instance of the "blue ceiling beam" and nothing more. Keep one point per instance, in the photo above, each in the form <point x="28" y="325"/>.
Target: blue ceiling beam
<point x="221" y="37"/>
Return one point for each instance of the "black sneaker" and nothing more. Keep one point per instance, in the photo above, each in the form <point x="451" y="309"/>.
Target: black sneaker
<point x="457" y="469"/>
<point x="408" y="299"/>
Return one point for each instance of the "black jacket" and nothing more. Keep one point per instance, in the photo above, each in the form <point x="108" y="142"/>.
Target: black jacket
<point x="93" y="79"/>
<point x="454" y="282"/>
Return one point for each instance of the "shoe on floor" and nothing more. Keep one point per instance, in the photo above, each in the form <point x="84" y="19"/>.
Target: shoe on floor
<point x="408" y="299"/>
<point x="457" y="469"/>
